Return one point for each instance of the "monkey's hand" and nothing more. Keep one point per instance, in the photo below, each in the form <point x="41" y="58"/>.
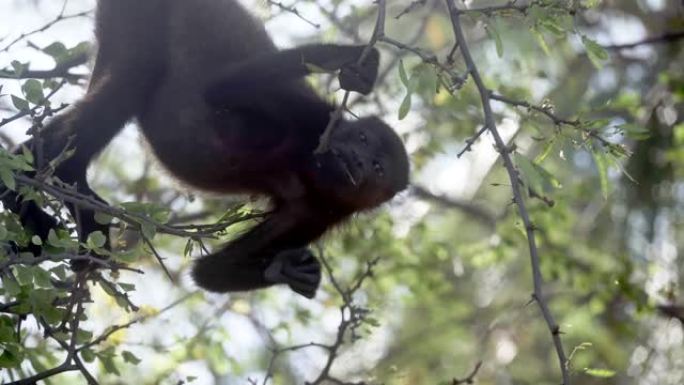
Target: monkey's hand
<point x="360" y="77"/>
<point x="297" y="268"/>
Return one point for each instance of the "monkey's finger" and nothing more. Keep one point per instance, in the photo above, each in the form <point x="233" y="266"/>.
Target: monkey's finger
<point x="310" y="294"/>
<point x="306" y="263"/>
<point x="308" y="268"/>
<point x="303" y="276"/>
<point x="305" y="257"/>
<point x="306" y="289"/>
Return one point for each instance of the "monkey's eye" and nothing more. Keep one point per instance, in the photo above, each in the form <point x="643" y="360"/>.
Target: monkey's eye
<point x="377" y="167"/>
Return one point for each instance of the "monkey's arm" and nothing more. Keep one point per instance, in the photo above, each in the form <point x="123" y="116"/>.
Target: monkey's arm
<point x="255" y="75"/>
<point x="270" y="253"/>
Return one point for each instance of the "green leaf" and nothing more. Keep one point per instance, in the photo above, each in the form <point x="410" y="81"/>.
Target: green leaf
<point x="540" y="40"/>
<point x="600" y="373"/>
<point x="547" y="150"/>
<point x="28" y="155"/>
<point x="635" y="131"/>
<point x="42" y="278"/>
<point x="11" y="286"/>
<point x="96" y="240"/>
<point x="591" y="3"/>
<point x="87" y="355"/>
<point x="11" y="356"/>
<point x="19" y="68"/>
<point x="83" y="336"/>
<point x="7" y="178"/>
<point x="127" y="286"/>
<point x="33" y="91"/>
<point x="602" y="167"/>
<point x="148" y="230"/>
<point x="24" y="275"/>
<point x="107" y="360"/>
<point x="530" y="173"/>
<point x="493" y="33"/>
<point x="56" y="50"/>
<point x="130" y="357"/>
<point x="405" y="106"/>
<point x="20" y="104"/>
<point x="550" y="25"/>
<point x="102" y="218"/>
<point x="596" y="53"/>
<point x="402" y="74"/>
<point x="189" y="246"/>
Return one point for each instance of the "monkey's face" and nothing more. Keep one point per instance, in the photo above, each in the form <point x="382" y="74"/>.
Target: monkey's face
<point x="366" y="164"/>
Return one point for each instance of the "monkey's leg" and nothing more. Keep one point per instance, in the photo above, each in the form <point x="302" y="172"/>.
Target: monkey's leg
<point x="272" y="252"/>
<point x="257" y="74"/>
<point x="115" y="96"/>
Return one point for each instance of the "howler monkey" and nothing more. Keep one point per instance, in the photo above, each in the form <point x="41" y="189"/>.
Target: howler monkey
<point x="225" y="111"/>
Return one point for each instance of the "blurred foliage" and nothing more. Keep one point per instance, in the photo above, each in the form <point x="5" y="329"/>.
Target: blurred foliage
<point x="598" y="134"/>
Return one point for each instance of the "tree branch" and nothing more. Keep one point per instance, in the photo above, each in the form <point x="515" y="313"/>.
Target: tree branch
<point x="490" y="123"/>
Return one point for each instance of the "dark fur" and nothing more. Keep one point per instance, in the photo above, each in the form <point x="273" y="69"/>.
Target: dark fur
<point x="225" y="111"/>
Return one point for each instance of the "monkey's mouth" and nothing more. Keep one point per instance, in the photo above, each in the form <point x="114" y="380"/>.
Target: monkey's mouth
<point x="349" y="167"/>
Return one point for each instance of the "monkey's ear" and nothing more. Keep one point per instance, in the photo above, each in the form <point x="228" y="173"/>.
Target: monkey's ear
<point x="361" y="78"/>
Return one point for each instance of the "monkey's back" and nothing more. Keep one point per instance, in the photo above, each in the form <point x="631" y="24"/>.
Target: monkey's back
<point x="204" y="38"/>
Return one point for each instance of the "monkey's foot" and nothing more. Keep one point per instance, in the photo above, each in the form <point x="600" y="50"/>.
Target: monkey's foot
<point x="297" y="268"/>
<point x="360" y="78"/>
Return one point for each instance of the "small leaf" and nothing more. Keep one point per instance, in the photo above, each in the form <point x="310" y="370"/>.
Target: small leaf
<point x="189" y="246"/>
<point x="24" y="275"/>
<point x="7" y="178"/>
<point x="493" y="33"/>
<point x="108" y="363"/>
<point x="602" y="167"/>
<point x="56" y="50"/>
<point x="635" y="131"/>
<point x="591" y="3"/>
<point x="102" y="218"/>
<point x="33" y="91"/>
<point x="20" y="104"/>
<point x="547" y="150"/>
<point x="127" y="286"/>
<point x="148" y="230"/>
<point x="96" y="240"/>
<point x="550" y="25"/>
<point x="540" y="40"/>
<point x="130" y="357"/>
<point x="402" y="74"/>
<point x="19" y="68"/>
<point x="532" y="178"/>
<point x="28" y="155"/>
<point x="11" y="286"/>
<point x="600" y="373"/>
<point x="87" y="355"/>
<point x="595" y="52"/>
<point x="405" y="106"/>
<point x="42" y="278"/>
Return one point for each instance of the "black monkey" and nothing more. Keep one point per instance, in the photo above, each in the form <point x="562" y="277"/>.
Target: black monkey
<point x="225" y="111"/>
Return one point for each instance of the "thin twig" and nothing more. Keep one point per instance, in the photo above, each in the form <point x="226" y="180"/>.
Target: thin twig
<point x="59" y="18"/>
<point x="293" y="10"/>
<point x="668" y="37"/>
